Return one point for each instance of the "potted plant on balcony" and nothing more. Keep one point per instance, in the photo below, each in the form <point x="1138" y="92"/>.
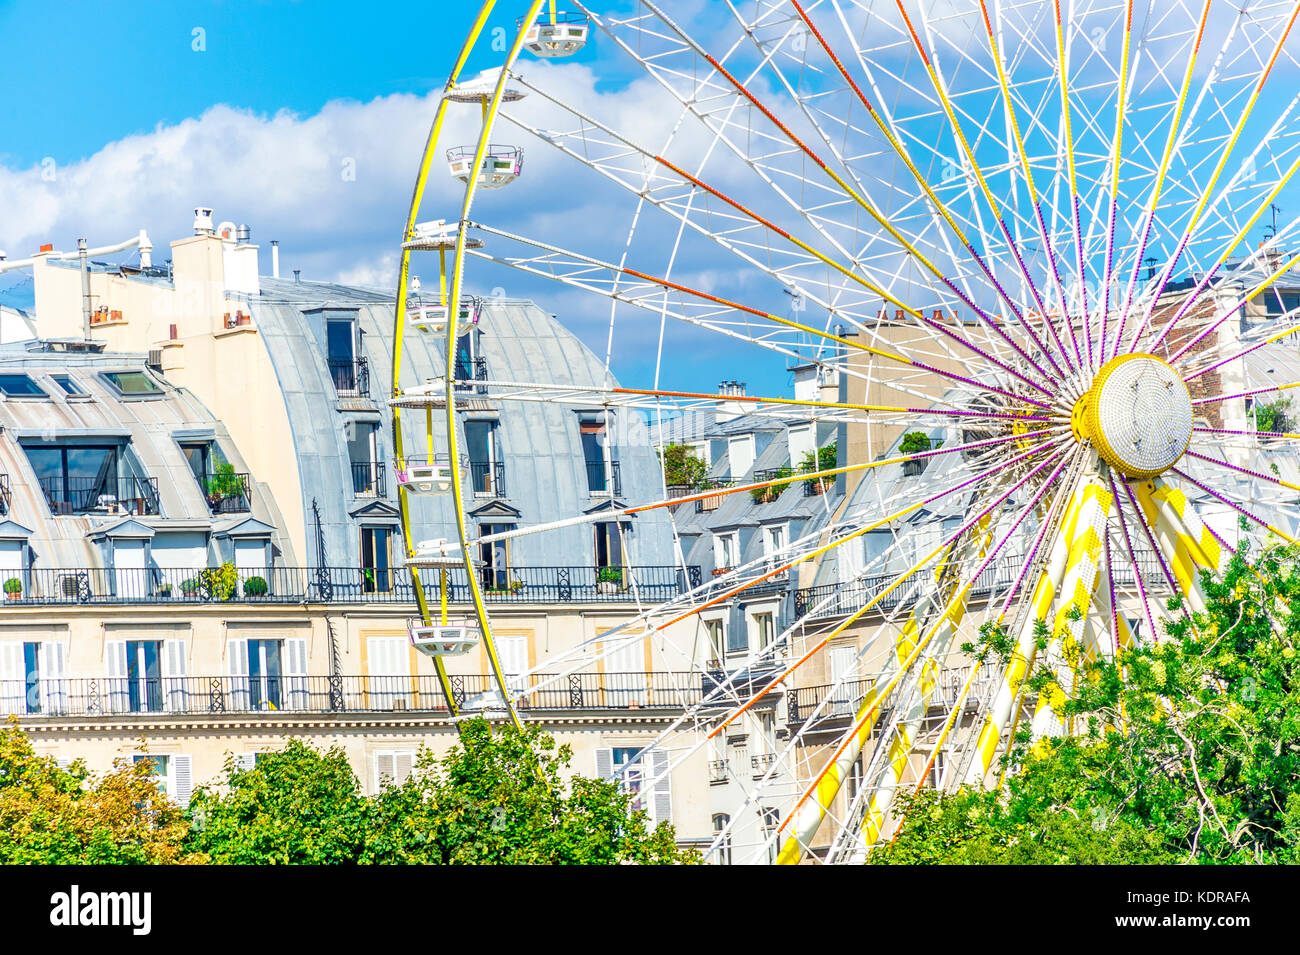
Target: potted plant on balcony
<point x="914" y="442"/>
<point x="222" y="581"/>
<point x="13" y="588"/>
<point x="255" y="587"/>
<point x="164" y="590"/>
<point x="223" y="484"/>
<point x="609" y="580"/>
<point x="516" y="586"/>
<point x="190" y="586"/>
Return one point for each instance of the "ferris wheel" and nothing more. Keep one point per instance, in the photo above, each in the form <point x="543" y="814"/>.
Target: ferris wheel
<point x="1035" y="227"/>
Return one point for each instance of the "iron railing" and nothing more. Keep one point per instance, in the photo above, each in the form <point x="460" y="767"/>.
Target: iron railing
<point x="847" y="598"/>
<point x="604" y="478"/>
<point x="227" y="493"/>
<point x="351" y="377"/>
<point x="708" y="504"/>
<point x="846" y="699"/>
<point x="81" y="494"/>
<point x="205" y="695"/>
<point x="488" y="478"/>
<point x="6" y="495"/>
<point x="368" y="479"/>
<point x="468" y="372"/>
<point x="337" y="585"/>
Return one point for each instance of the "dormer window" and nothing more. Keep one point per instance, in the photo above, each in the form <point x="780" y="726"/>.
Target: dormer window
<point x="20" y="386"/>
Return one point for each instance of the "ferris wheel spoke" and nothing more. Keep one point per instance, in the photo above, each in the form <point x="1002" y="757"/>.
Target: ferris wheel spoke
<point x="1027" y="172"/>
<point x="969" y="153"/>
<point x="937" y="203"/>
<point x="1153" y="200"/>
<point x="1237" y="356"/>
<point x="728" y="305"/>
<point x="806" y="822"/>
<point x="1228" y="313"/>
<point x="1208" y="188"/>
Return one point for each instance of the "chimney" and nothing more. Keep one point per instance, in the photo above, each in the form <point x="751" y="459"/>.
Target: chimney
<point x="275" y="258"/>
<point x="243" y="235"/>
<point x="203" y="221"/>
<point x="297" y="276"/>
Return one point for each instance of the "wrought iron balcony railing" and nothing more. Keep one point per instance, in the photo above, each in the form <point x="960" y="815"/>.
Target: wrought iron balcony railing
<point x="604" y="477"/>
<point x="351" y="377"/>
<point x="488" y="478"/>
<point x="208" y="695"/>
<point x="368" y="479"/>
<point x="85" y="494"/>
<point x="228" y="492"/>
<point x="468" y="372"/>
<point x="338" y="585"/>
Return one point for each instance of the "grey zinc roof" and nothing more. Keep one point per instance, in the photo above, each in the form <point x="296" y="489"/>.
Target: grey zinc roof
<point x="152" y="427"/>
<point x="545" y="475"/>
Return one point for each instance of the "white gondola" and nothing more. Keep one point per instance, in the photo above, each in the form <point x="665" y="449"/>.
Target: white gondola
<point x="433" y="318"/>
<point x="437" y="235"/>
<point x="502" y="165"/>
<point x="431" y="394"/>
<point x="438" y="554"/>
<point x="426" y="475"/>
<point x="562" y="35"/>
<point x="444" y="639"/>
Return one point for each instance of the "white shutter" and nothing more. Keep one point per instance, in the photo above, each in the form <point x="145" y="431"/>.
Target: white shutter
<point x="402" y="763"/>
<point x="295" y="671"/>
<point x="237" y="667"/>
<point x="181" y="785"/>
<point x="389" y="663"/>
<point x="13" y="679"/>
<point x="115" y="666"/>
<point x="604" y="763"/>
<point x="660" y="801"/>
<point x="54" y="687"/>
<point x="245" y="761"/>
<point x="175" y="698"/>
<point x="844" y="663"/>
<point x="384" y="769"/>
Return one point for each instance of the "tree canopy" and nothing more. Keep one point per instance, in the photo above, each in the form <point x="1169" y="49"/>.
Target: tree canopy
<point x="1187" y="750"/>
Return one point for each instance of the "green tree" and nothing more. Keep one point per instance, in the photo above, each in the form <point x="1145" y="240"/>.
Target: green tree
<point x="297" y="806"/>
<point x="55" y="816"/>
<point x="503" y="796"/>
<point x="1187" y="750"/>
<point x="682" y="467"/>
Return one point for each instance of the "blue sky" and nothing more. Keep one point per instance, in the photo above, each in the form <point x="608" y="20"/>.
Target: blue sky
<point x="155" y="92"/>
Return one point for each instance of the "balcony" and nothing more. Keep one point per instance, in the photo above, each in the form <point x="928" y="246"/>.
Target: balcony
<point x="765" y="495"/>
<point x="209" y="695"/>
<point x="6" y="495"/>
<point x="707" y="505"/>
<point x="488" y="479"/>
<point x="227" y="492"/>
<point x="717" y="771"/>
<point x="468" y="371"/>
<point x="761" y="763"/>
<point x="604" y="478"/>
<point x="841" y="599"/>
<point x="88" y="494"/>
<point x="846" y="699"/>
<point x="368" y="479"/>
<point x="46" y="586"/>
<point x="350" y="377"/>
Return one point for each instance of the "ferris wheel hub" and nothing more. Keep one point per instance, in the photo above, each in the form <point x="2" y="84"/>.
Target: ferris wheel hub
<point x="1137" y="414"/>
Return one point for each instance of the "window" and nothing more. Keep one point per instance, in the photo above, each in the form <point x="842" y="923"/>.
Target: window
<point x="20" y="386"/>
<point x="764" y="631"/>
<point x="495" y="557"/>
<point x="146" y="676"/>
<point x="375" y="575"/>
<point x="487" y="472"/>
<point x="936" y="770"/>
<point x="363" y="454"/>
<point x="716" y="630"/>
<point x="31" y="677"/>
<point x="773" y="544"/>
<point x="644" y="774"/>
<point x="771" y="819"/>
<point x="69" y="385"/>
<point x="608" y="545"/>
<point x="81" y="478"/>
<point x="720" y="822"/>
<point x="174" y="773"/>
<point x="725" y="551"/>
<point x="393" y="768"/>
<point x="737" y="640"/>
<point x="132" y="383"/>
<point x="602" y="468"/>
